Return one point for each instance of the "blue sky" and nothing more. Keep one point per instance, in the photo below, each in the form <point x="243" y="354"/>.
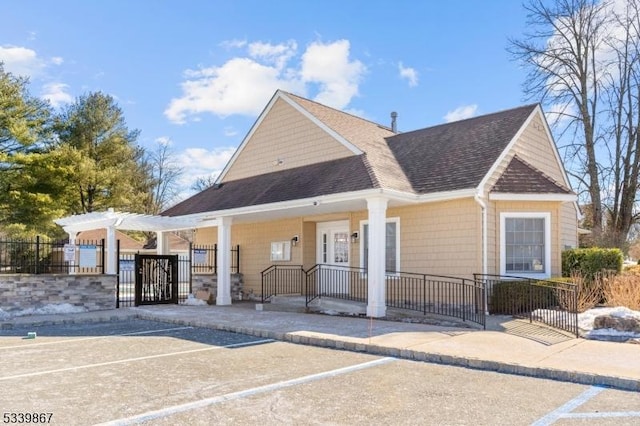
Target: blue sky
<point x="199" y="72"/>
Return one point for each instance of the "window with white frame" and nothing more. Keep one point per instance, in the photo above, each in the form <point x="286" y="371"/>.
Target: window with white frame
<point x="392" y="244"/>
<point x="281" y="251"/>
<point x="525" y="245"/>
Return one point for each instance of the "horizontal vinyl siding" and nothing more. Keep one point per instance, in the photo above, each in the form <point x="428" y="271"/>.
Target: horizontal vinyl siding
<point x="569" y="226"/>
<point x="435" y="238"/>
<point x="255" y="246"/>
<point x="287" y="135"/>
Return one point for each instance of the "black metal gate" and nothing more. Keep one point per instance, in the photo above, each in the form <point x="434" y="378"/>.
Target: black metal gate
<point x="156" y="279"/>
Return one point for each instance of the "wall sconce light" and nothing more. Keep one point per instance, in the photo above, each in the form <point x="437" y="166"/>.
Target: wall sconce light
<point x="294" y="240"/>
<point x="354" y="237"/>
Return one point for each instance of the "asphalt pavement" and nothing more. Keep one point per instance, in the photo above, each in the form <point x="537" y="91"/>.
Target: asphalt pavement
<point x="508" y="346"/>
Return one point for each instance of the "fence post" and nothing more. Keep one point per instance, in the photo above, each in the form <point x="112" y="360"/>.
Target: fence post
<point x="117" y="271"/>
<point x="37" y="254"/>
<point x="190" y="267"/>
<point x="238" y="258"/>
<point x="215" y="259"/>
<point x="103" y="257"/>
<point x="424" y="295"/>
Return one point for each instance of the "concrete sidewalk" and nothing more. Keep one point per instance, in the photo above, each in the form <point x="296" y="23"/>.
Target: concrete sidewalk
<point x="521" y="348"/>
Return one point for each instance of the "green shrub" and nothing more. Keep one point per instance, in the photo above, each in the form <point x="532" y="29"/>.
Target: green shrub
<point x="521" y="297"/>
<point x="590" y="261"/>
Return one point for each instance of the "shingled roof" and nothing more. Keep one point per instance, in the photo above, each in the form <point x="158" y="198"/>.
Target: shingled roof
<point x="367" y="136"/>
<point x="447" y="157"/>
<point x="456" y="155"/>
<point x="522" y="178"/>
<point x="330" y="177"/>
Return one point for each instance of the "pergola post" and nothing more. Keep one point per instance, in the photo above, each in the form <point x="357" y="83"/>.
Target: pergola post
<point x="162" y="243"/>
<point x="111" y="250"/>
<point x="224" y="261"/>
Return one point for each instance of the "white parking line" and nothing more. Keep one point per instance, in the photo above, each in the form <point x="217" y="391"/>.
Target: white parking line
<point x="168" y="411"/>
<point x="143" y="358"/>
<point x="559" y="413"/>
<point x="71" y="340"/>
<point x="601" y="415"/>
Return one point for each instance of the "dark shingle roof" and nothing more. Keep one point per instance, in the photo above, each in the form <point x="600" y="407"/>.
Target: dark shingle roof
<point x="456" y="155"/>
<point x="330" y="177"/>
<point x="522" y="178"/>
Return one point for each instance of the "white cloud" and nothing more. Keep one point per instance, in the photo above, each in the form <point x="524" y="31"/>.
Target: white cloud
<point x="56" y="94"/>
<point x="21" y="61"/>
<point x="57" y="60"/>
<point x="460" y="113"/>
<point x="409" y="73"/>
<point x="242" y="85"/>
<point x="329" y="65"/>
<point x="276" y="54"/>
<point x="233" y="44"/>
<point x="201" y="163"/>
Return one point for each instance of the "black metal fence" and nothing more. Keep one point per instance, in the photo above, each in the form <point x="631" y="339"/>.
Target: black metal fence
<point x="204" y="259"/>
<point x="553" y="303"/>
<point x="441" y="295"/>
<point x="429" y="294"/>
<point x="337" y="282"/>
<point x="282" y="280"/>
<point x="43" y="256"/>
<point x="199" y="259"/>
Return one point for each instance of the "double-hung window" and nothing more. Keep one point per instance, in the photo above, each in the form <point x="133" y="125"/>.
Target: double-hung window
<point x="392" y="244"/>
<point x="525" y="245"/>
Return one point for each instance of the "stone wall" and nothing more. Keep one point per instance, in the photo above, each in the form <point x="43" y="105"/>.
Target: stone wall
<point x="92" y="292"/>
<point x="205" y="286"/>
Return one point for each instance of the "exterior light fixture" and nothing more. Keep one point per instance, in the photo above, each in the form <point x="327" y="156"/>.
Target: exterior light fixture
<point x="354" y="237"/>
<point x="294" y="240"/>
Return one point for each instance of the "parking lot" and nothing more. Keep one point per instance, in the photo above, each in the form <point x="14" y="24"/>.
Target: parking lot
<point x="135" y="371"/>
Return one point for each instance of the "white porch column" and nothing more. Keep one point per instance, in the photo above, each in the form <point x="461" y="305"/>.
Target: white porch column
<point x="377" y="208"/>
<point x="162" y="243"/>
<point x="224" y="261"/>
<point x="111" y="250"/>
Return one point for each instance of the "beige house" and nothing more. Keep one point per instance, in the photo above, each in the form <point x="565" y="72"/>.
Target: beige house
<point x="313" y="185"/>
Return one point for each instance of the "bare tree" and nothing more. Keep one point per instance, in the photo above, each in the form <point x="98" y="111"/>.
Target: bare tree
<point x="622" y="81"/>
<point x="164" y="173"/>
<point x="562" y="55"/>
<point x="584" y="65"/>
<point x="203" y="183"/>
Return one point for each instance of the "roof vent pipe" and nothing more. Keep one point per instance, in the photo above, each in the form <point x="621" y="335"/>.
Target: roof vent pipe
<point x="394" y="126"/>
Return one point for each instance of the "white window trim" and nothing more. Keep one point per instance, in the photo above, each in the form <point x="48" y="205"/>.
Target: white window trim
<point x="547" y="243"/>
<point x="395" y="220"/>
<point x="281" y="251"/>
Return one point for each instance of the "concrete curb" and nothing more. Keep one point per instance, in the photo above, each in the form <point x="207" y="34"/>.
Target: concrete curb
<point x="346" y="345"/>
<point x="420" y="356"/>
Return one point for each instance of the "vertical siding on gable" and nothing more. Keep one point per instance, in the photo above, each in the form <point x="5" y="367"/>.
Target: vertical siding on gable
<point x="287" y="135"/>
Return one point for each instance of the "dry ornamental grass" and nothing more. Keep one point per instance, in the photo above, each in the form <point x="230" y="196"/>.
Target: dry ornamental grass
<point x="623" y="290"/>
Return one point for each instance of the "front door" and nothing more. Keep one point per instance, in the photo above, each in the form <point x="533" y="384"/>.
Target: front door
<point x="333" y="251"/>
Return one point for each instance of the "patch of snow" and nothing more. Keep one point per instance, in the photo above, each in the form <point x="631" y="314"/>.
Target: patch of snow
<point x="586" y="320"/>
<point x="193" y="301"/>
<point x="52" y="309"/>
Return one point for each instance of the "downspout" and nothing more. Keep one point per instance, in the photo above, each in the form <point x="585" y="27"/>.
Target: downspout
<point x="483" y="206"/>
